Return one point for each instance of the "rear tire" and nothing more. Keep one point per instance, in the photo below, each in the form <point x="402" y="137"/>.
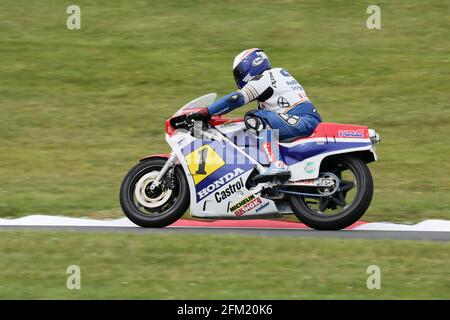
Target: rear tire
<point x="154" y="217"/>
<point x="348" y="215"/>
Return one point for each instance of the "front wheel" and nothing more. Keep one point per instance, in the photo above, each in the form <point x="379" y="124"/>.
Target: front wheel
<point x="147" y="208"/>
<point x="346" y="205"/>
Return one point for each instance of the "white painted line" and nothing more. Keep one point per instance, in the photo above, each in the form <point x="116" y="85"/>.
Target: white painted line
<point x="426" y="225"/>
<point x="46" y="220"/>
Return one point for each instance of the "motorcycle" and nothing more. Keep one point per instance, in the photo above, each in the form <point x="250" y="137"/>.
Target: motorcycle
<point x="212" y="167"/>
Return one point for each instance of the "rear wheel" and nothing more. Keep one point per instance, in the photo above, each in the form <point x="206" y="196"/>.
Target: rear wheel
<point x="150" y="209"/>
<point x="345" y="206"/>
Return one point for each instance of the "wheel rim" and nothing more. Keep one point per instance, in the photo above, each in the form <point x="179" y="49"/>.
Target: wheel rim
<point x="153" y="206"/>
<point x="141" y="194"/>
<point x="345" y="197"/>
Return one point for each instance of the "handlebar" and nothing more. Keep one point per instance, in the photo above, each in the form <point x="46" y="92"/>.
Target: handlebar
<point x="184" y="122"/>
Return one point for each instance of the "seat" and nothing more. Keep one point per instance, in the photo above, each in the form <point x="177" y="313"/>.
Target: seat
<point x="333" y="131"/>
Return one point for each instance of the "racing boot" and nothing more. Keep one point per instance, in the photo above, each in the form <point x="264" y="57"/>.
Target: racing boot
<point x="277" y="169"/>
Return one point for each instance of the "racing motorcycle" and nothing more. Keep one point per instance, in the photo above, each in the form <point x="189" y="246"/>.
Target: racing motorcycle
<point x="212" y="167"/>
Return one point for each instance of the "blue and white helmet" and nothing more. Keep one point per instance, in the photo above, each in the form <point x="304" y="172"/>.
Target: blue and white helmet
<point x="249" y="63"/>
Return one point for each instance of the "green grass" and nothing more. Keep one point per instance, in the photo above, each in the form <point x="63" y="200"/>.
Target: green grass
<point x="145" y="266"/>
<point x="78" y="108"/>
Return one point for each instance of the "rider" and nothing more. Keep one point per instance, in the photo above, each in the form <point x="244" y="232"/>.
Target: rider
<point x="283" y="105"/>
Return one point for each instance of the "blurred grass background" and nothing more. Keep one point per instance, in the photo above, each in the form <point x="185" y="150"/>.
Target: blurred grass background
<point x="78" y="108"/>
<point x="175" y="266"/>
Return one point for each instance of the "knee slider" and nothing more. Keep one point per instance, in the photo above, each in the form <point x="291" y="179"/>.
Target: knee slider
<point x="253" y="122"/>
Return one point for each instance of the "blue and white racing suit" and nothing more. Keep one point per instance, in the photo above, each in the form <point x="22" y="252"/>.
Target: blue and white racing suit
<point x="283" y="103"/>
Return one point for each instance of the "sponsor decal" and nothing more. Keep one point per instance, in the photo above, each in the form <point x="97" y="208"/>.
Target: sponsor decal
<point x="292" y="82"/>
<point x="228" y="191"/>
<point x="272" y="79"/>
<point x="310" y="167"/>
<point x="220" y="183"/>
<point x="351" y="133"/>
<point x="282" y="102"/>
<point x="290" y="119"/>
<point x="295" y="85"/>
<point x="223" y="110"/>
<point x="245" y="205"/>
<point x="257" y="61"/>
<point x="262" y="207"/>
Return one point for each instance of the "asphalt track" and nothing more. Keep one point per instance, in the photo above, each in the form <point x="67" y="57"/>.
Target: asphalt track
<point x="341" y="234"/>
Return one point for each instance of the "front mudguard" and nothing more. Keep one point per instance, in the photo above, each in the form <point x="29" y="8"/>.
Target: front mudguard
<point x="156" y="156"/>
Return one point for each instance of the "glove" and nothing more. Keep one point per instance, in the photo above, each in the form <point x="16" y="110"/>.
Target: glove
<point x="202" y="115"/>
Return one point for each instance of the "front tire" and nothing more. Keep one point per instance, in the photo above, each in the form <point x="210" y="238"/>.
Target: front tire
<point x="315" y="212"/>
<point x="151" y="211"/>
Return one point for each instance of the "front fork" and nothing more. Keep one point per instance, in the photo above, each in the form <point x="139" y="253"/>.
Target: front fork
<point x="157" y="182"/>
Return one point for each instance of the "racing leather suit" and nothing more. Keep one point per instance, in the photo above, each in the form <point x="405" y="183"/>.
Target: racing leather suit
<point x="283" y="103"/>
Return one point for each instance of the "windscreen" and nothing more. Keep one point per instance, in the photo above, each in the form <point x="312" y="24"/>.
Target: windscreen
<point x="200" y="102"/>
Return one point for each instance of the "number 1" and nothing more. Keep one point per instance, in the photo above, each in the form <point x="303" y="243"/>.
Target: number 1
<point x="201" y="166"/>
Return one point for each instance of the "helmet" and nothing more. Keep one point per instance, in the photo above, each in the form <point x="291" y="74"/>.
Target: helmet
<point x="249" y="63"/>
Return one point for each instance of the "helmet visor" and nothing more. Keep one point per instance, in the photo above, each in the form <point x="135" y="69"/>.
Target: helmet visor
<point x="238" y="74"/>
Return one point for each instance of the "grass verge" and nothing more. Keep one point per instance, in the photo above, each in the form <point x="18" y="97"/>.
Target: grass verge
<point x="145" y="266"/>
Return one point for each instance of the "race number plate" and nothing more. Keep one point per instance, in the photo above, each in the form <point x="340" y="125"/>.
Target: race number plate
<point x="203" y="161"/>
